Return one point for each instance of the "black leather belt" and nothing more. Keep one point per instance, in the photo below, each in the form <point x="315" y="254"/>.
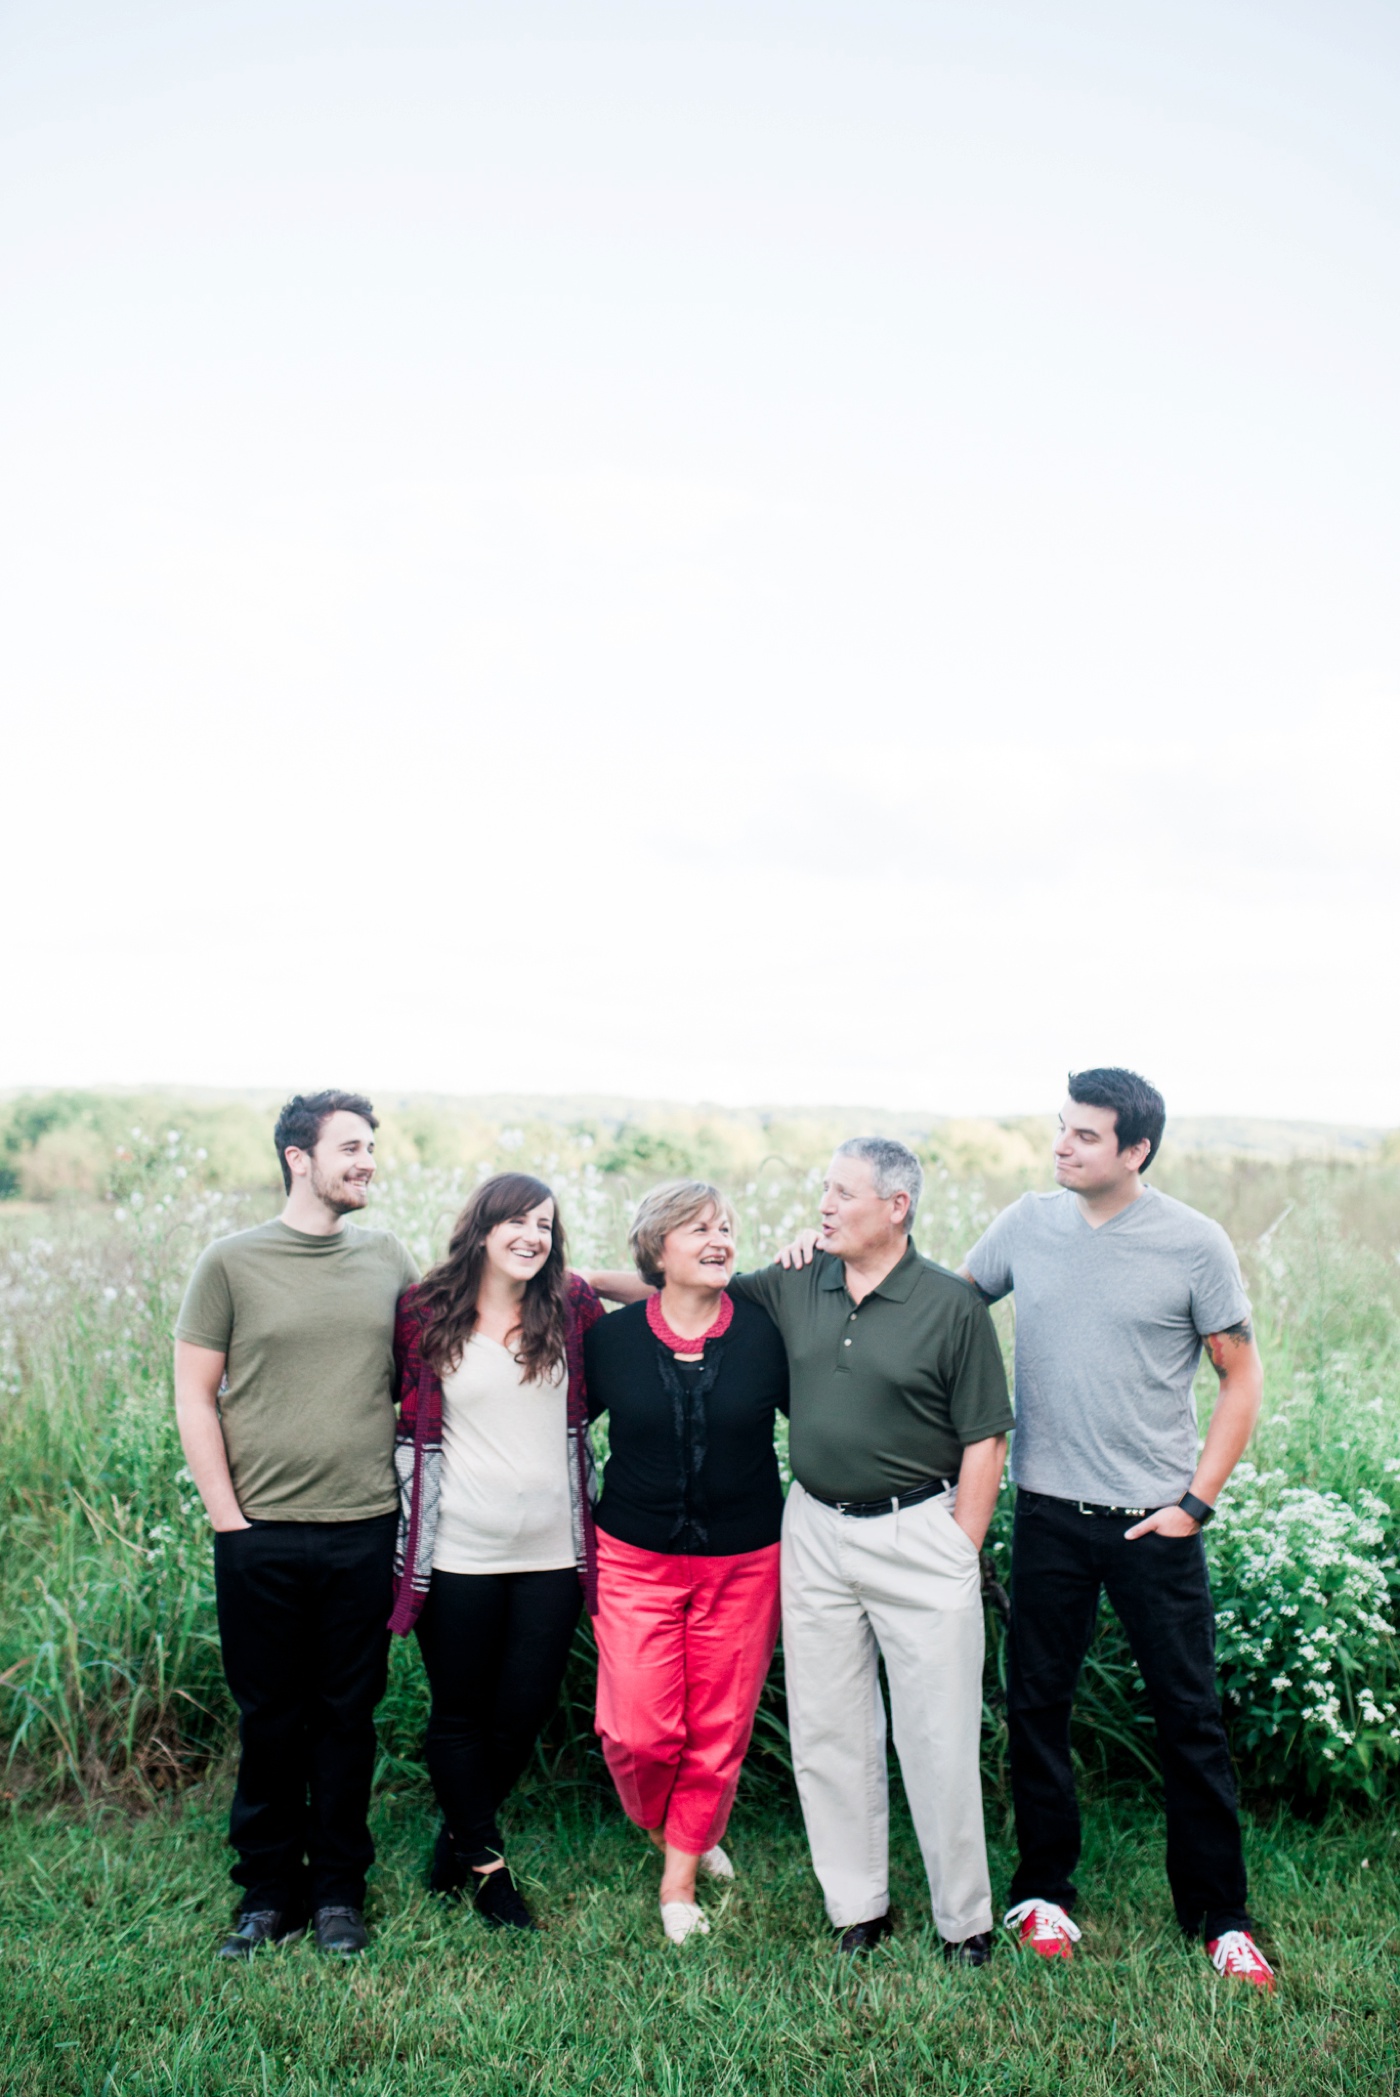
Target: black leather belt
<point x="1090" y="1507"/>
<point x="864" y="1509"/>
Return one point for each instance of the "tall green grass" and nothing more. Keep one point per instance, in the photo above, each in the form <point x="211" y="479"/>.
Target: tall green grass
<point x="109" y="1671"/>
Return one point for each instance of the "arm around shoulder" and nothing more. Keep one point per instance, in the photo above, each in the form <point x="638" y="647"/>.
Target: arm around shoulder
<point x="585" y="1303"/>
<point x="617" y="1284"/>
<point x="981" y="1402"/>
<point x="988" y="1267"/>
<point x="764" y="1286"/>
<point x="964" y="1274"/>
<point x="408" y="1348"/>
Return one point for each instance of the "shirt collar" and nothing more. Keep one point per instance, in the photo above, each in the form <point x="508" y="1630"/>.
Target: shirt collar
<point x="897" y="1285"/>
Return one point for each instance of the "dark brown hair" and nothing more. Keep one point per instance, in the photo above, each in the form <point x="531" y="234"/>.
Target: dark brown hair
<point x="450" y="1289"/>
<point x="1140" y="1112"/>
<point x="300" y="1123"/>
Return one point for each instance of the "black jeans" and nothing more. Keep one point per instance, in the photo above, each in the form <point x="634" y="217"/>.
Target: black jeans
<point x="303" y="1615"/>
<point x="495" y="1646"/>
<point x="1160" y="1590"/>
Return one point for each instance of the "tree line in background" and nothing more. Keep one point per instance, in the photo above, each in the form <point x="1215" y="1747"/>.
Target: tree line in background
<point x="83" y="1146"/>
<point x="76" y="1146"/>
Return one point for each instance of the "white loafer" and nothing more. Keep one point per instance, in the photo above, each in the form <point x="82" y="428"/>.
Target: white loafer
<point x="717" y="1863"/>
<point x="681" y="1919"/>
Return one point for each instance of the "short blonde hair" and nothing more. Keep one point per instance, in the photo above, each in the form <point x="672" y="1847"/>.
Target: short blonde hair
<point x="667" y="1208"/>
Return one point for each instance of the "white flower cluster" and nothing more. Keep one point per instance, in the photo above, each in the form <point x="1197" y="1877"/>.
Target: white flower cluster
<point x="1307" y="1643"/>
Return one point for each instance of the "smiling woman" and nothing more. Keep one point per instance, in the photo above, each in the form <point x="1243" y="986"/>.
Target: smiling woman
<point x="688" y="1535"/>
<point x="495" y="1531"/>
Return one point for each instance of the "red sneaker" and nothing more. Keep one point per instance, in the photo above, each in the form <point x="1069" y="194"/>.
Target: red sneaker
<point x="1237" y="1954"/>
<point x="1045" y="1928"/>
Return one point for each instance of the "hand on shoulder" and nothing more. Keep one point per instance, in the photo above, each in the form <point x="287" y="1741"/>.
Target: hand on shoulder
<point x="800" y="1252"/>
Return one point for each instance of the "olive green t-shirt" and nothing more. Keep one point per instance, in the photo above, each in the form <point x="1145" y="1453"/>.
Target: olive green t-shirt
<point x="888" y="1392"/>
<point x="307" y="1404"/>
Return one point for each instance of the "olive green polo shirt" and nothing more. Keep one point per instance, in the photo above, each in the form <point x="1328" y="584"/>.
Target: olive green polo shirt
<point x="888" y="1392"/>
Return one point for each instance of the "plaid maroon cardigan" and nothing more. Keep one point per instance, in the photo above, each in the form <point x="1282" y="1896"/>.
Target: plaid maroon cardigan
<point x="418" y="1453"/>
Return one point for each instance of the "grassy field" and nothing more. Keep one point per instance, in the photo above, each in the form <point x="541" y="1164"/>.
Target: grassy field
<point x="108" y="1925"/>
<point x="116" y="1725"/>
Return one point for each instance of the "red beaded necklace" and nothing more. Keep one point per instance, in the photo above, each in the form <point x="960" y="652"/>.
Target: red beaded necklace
<point x="674" y="1341"/>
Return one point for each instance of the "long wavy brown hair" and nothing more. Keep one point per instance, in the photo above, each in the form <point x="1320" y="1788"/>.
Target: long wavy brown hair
<point x="449" y="1290"/>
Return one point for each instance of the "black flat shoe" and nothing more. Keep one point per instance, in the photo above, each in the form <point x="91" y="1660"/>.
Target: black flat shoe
<point x="449" y="1873"/>
<point x="257" y="1928"/>
<point x="864" y="1936"/>
<point x="973" y="1951"/>
<point x="499" y="1904"/>
<point x="340" y="1931"/>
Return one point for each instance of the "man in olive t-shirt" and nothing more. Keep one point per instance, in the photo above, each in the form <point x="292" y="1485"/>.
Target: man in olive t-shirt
<point x="284" y="1395"/>
<point x="897" y="1440"/>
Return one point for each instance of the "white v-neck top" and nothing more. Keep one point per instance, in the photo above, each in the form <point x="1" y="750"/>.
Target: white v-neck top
<point x="504" y="1506"/>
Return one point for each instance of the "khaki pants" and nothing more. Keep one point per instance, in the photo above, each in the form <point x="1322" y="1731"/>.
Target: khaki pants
<point x="905" y="1585"/>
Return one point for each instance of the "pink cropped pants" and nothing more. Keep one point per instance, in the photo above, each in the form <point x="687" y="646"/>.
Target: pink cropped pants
<point x="683" y="1649"/>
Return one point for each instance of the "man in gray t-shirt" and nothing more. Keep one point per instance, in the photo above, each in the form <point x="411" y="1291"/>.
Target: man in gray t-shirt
<point x="1117" y="1290"/>
<point x="1111" y="1318"/>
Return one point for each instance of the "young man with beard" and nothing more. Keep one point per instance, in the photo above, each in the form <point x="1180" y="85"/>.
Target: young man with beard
<point x="1117" y="1290"/>
<point x="284" y="1395"/>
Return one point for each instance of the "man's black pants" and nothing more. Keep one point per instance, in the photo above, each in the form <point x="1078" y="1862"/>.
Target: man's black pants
<point x="303" y="1610"/>
<point x="1160" y="1590"/>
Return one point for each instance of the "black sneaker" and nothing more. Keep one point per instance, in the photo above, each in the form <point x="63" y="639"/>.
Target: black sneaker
<point x="499" y="1904"/>
<point x="257" y="1928"/>
<point x="973" y="1951"/>
<point x="340" y="1931"/>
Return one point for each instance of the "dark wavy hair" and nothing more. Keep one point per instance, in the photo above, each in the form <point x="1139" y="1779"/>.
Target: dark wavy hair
<point x="450" y="1289"/>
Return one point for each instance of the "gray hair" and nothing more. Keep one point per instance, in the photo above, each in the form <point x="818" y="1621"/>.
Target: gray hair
<point x="896" y="1169"/>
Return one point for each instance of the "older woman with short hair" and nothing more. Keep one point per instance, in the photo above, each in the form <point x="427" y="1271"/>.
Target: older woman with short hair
<point x="688" y="1529"/>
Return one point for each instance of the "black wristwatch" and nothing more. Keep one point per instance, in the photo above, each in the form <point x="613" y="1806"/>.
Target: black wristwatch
<point x="1199" y="1510"/>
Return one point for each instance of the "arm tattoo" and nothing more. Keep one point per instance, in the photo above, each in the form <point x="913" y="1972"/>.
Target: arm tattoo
<point x="1242" y="1334"/>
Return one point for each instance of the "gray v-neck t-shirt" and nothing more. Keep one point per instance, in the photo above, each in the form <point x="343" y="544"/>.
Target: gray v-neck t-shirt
<point x="1109" y="1328"/>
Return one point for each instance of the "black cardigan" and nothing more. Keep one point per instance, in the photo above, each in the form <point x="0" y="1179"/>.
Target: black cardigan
<point x="691" y="1466"/>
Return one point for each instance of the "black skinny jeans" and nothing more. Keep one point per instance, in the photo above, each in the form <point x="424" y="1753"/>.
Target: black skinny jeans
<point x="494" y="1646"/>
<point x="303" y="1614"/>
<point x="1160" y="1590"/>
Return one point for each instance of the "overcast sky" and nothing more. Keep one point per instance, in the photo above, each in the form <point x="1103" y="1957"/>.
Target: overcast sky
<point x="782" y="551"/>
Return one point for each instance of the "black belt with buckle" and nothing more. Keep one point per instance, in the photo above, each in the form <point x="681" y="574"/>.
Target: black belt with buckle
<point x="864" y="1509"/>
<point x="1090" y="1507"/>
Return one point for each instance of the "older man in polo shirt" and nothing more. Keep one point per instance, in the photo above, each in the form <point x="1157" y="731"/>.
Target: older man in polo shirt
<point x="898" y="1437"/>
